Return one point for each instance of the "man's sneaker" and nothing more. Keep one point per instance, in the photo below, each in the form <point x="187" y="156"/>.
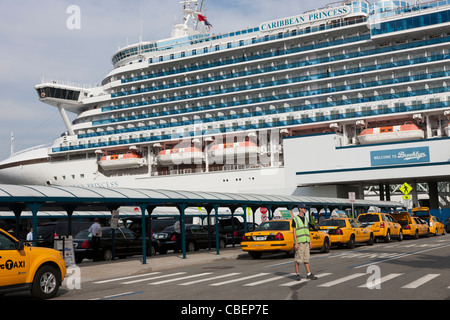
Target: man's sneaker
<point x="311" y="276"/>
<point x="297" y="277"/>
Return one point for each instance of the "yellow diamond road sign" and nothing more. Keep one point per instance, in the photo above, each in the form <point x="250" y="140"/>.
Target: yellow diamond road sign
<point x="405" y="188"/>
<point x="406" y="197"/>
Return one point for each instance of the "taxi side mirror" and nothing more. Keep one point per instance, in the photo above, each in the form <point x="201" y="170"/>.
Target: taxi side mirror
<point x="20" y="245"/>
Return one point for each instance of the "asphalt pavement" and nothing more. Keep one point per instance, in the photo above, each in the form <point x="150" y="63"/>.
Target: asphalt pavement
<point x="95" y="271"/>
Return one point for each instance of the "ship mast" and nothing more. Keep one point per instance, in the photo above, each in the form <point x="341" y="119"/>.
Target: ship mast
<point x="191" y="19"/>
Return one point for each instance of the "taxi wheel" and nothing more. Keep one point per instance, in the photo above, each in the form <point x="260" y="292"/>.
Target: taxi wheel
<point x="371" y="240"/>
<point x="416" y="235"/>
<point x="387" y="238"/>
<point x="400" y="236"/>
<point x="46" y="283"/>
<point x="326" y="246"/>
<point x="351" y="243"/>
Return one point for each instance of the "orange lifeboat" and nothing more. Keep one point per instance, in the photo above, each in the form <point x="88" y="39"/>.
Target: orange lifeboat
<point x="239" y="149"/>
<point x="189" y="155"/>
<point x="129" y="160"/>
<point x="405" y="132"/>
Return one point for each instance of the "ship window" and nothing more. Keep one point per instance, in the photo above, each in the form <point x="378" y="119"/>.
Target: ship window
<point x="55" y="178"/>
<point x="82" y="176"/>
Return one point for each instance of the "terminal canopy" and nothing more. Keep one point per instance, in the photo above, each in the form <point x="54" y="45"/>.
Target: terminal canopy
<point x="21" y="197"/>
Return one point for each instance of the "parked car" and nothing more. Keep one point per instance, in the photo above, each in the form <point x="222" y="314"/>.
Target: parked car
<point x="134" y="223"/>
<point x="126" y="243"/>
<point x="238" y="232"/>
<point x="196" y="238"/>
<point x="47" y="232"/>
<point x="411" y="226"/>
<point x="422" y="228"/>
<point x="435" y="225"/>
<point x="347" y="231"/>
<point x="382" y="224"/>
<point x="40" y="270"/>
<point x="278" y="236"/>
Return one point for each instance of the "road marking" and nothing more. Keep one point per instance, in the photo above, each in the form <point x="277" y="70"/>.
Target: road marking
<point x="117" y="295"/>
<point x="379" y="281"/>
<point x="268" y="280"/>
<point x="125" y="278"/>
<point x="239" y="279"/>
<point x="421" y="281"/>
<point x="209" y="279"/>
<point x="293" y="283"/>
<point x="152" y="278"/>
<point x="400" y="255"/>
<point x="341" y="280"/>
<point x="181" y="278"/>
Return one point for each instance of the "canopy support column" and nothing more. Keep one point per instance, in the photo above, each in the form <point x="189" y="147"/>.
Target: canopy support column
<point x="143" y="207"/>
<point x="34" y="207"/>
<point x="182" y="208"/>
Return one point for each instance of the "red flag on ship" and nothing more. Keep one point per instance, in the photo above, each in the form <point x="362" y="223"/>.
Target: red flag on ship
<point x="203" y="18"/>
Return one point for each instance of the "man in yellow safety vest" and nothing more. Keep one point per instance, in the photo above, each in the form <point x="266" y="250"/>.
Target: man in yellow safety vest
<point x="302" y="242"/>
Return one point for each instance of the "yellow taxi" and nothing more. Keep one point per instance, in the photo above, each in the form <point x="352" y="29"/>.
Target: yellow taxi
<point x="412" y="227"/>
<point x="435" y="225"/>
<point x="278" y="236"/>
<point x="40" y="270"/>
<point x="382" y="224"/>
<point x="347" y="231"/>
<point x="422" y="227"/>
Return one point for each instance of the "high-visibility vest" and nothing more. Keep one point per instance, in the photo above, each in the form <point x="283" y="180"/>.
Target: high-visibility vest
<point x="301" y="230"/>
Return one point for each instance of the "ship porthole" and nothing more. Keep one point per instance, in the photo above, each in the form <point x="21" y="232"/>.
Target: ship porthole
<point x="42" y="95"/>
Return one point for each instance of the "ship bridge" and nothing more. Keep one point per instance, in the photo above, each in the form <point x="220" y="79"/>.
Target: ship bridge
<point x="66" y="97"/>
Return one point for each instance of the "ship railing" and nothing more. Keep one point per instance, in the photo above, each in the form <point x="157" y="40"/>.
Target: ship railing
<point x="48" y="145"/>
<point x="68" y="83"/>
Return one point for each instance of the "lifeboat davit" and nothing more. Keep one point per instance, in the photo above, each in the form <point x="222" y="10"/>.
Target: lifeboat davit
<point x="407" y="131"/>
<point x="239" y="149"/>
<point x="189" y="155"/>
<point x="129" y="160"/>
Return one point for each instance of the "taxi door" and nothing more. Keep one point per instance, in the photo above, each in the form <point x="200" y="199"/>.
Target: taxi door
<point x="315" y="238"/>
<point x="359" y="233"/>
<point x="13" y="262"/>
<point x="393" y="226"/>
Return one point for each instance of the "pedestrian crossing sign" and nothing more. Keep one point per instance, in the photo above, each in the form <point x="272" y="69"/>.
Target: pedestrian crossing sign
<point x="406" y="188"/>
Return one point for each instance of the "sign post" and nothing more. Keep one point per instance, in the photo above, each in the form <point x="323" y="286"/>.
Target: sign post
<point x="406" y="189"/>
<point x="263" y="211"/>
<point x="352" y="199"/>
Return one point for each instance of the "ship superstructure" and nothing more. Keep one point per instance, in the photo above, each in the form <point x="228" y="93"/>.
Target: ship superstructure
<point x="210" y="111"/>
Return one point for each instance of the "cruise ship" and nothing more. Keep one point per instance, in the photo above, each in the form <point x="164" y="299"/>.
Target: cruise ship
<point x="298" y="104"/>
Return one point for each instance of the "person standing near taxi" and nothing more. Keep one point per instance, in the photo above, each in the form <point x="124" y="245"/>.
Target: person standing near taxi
<point x="302" y="242"/>
<point x="96" y="231"/>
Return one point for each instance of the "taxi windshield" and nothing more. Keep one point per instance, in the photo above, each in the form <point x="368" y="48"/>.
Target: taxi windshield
<point x="274" y="225"/>
<point x="369" y="218"/>
<point x="332" y="223"/>
<point x="421" y="214"/>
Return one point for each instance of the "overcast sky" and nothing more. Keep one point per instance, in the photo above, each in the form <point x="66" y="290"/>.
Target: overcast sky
<point x="35" y="42"/>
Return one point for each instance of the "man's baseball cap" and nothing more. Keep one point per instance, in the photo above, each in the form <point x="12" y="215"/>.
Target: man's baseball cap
<point x="301" y="205"/>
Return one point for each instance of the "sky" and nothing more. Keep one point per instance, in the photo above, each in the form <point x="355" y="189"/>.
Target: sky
<point x="36" y="43"/>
